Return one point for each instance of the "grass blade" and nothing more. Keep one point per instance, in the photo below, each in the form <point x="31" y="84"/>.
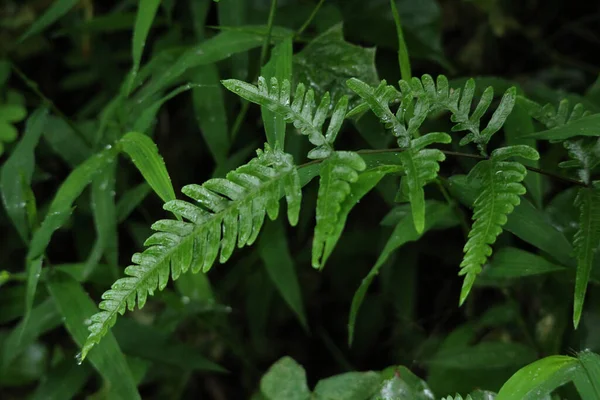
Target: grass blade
<point x="64" y="381"/>
<point x="144" y="154"/>
<point x="403" y="58"/>
<point x="76" y="307"/>
<point x="587" y="378"/>
<point x="52" y="14"/>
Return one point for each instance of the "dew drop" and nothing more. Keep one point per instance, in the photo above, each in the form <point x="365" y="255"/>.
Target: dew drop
<point x="108" y="147"/>
<point x="87" y="322"/>
<point x="79" y="358"/>
<point x="185" y="300"/>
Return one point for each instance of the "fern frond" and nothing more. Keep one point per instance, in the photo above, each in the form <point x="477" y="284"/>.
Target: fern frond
<point x="501" y="191"/>
<point x="302" y="112"/>
<point x="585" y="243"/>
<point x="227" y="212"/>
<point x="421" y="166"/>
<point x="585" y="154"/>
<point x="337" y="173"/>
<point x="552" y="117"/>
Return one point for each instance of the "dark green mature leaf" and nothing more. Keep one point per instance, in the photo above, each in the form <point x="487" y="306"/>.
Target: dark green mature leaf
<point x="17" y="172"/>
<point x="585" y="243"/>
<point x="587" y="377"/>
<point x="485" y="355"/>
<point x="76" y="307"/>
<point x="274" y="251"/>
<point x="404" y="232"/>
<point x="348" y="386"/>
<point x="585" y="126"/>
<point x="143" y="22"/>
<point x="280" y="67"/>
<point x="144" y="154"/>
<point x="131" y="199"/>
<point x="286" y="379"/>
<point x="511" y="262"/>
<point x="329" y="61"/>
<point x="50" y="16"/>
<point x="105" y="213"/>
<point x="539" y="378"/>
<point x="234" y="13"/>
<point x="63" y="381"/>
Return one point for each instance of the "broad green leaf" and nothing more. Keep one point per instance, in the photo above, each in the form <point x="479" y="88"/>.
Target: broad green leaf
<point x="329" y="61"/>
<point x="152" y="344"/>
<point x="401" y="383"/>
<point x="585" y="242"/>
<point x="585" y="126"/>
<point x="539" y="378"/>
<point x="280" y="67"/>
<point x="587" y="377"/>
<point x="485" y="355"/>
<point x="209" y="110"/>
<point x="50" y="16"/>
<point x="76" y="307"/>
<point x="144" y="154"/>
<point x="348" y="386"/>
<point x="44" y="318"/>
<point x="404" y="232"/>
<point x="286" y="379"/>
<point x="131" y="199"/>
<point x="274" y="251"/>
<point x="143" y="22"/>
<point x="63" y="381"/>
<point x="17" y="172"/>
<point x="511" y="262"/>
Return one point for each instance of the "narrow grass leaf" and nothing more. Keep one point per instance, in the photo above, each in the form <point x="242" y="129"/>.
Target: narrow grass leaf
<point x="105" y="213"/>
<point x="76" y="307"/>
<point x="511" y="262"/>
<point x="50" y="16"/>
<point x="131" y="199"/>
<point x="539" y="378"/>
<point x="64" y="381"/>
<point x="403" y="233"/>
<point x="280" y="67"/>
<point x="403" y="58"/>
<point x="274" y="251"/>
<point x="143" y="22"/>
<point x="233" y="13"/>
<point x="18" y="170"/>
<point x="144" y="154"/>
<point x="587" y="378"/>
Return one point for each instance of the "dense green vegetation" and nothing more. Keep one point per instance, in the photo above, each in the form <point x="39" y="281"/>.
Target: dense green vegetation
<point x="299" y="199"/>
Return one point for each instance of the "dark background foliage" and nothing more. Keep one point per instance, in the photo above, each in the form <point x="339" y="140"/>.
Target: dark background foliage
<point x="549" y="48"/>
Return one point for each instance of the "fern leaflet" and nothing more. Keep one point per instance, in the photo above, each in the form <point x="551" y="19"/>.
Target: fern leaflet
<point x="302" y="112"/>
<point x="585" y="242"/>
<point x="337" y="173"/>
<point x="228" y="212"/>
<point x="421" y="166"/>
<point x="552" y="117"/>
<point x="501" y="191"/>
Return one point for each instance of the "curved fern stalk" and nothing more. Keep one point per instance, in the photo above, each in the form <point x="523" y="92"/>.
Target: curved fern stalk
<point x="501" y="191"/>
<point x="302" y="112"/>
<point x="227" y="212"/>
<point x="585" y="243"/>
<point x="421" y="166"/>
<point x="337" y="173"/>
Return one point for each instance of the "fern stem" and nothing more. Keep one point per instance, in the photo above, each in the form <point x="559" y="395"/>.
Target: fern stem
<point x="442" y="182"/>
<point x="464" y="155"/>
<point x="312" y="16"/>
<point x="403" y="58"/>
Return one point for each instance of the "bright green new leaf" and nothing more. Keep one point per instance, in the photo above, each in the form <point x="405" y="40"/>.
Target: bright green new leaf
<point x="274" y="251"/>
<point x="587" y="377"/>
<point x="286" y="379"/>
<point x="144" y="154"/>
<point x="143" y="22"/>
<point x="539" y="378"/>
<point x="50" y="16"/>
<point x="348" y="386"/>
<point x="76" y="307"/>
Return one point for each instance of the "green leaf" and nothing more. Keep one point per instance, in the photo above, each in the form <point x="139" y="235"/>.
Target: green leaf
<point x="421" y="166"/>
<point x="143" y="22"/>
<point x="511" y="262"/>
<point x="328" y="61"/>
<point x="280" y="67"/>
<point x="539" y="378"/>
<point x="131" y="199"/>
<point x="485" y="355"/>
<point x="400" y="383"/>
<point x="585" y="244"/>
<point x="76" y="307"/>
<point x="348" y="386"/>
<point x="50" y="16"/>
<point x="274" y="251"/>
<point x="209" y="110"/>
<point x="585" y="126"/>
<point x="404" y="232"/>
<point x="587" y="377"/>
<point x="105" y="214"/>
<point x="63" y="381"/>
<point x="285" y="380"/>
<point x="17" y="173"/>
<point x="233" y="13"/>
<point x="338" y="172"/>
<point x="144" y="154"/>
